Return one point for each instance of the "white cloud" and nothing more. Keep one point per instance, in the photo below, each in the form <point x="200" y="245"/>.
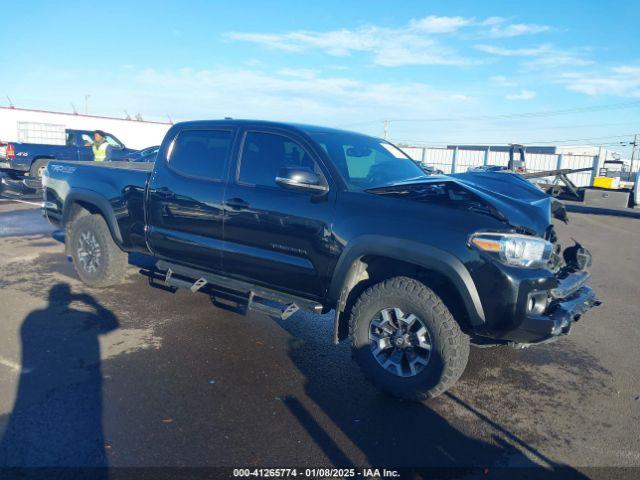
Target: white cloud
<point x="521" y="95"/>
<point x="557" y="60"/>
<point x="433" y="24"/>
<point x="300" y="95"/>
<point x="514" y="52"/>
<point x="516" y="29"/>
<point x="500" y="28"/>
<point x="539" y="57"/>
<point x="502" y="81"/>
<point x="621" y="81"/>
<point x="491" y="21"/>
<point x="412" y="45"/>
<point x="307" y="73"/>
<point x="419" y="42"/>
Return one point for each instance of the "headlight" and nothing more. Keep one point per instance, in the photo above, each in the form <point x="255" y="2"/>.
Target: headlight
<point x="513" y="249"/>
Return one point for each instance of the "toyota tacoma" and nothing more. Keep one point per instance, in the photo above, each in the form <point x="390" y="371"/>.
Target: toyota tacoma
<point x="278" y="217"/>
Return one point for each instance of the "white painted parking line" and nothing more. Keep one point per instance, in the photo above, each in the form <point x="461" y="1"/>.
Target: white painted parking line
<point x="37" y="204"/>
<point x="10" y="364"/>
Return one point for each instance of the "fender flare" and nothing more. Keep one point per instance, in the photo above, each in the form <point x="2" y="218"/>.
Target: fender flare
<point x="41" y="157"/>
<point x="100" y="203"/>
<point x="406" y="251"/>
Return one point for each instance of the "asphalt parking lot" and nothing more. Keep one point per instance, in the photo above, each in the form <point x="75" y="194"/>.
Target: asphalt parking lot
<point x="135" y="376"/>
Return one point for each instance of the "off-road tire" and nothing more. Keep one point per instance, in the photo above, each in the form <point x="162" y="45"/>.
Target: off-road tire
<point x="113" y="261"/>
<point x="34" y="170"/>
<point x="449" y="349"/>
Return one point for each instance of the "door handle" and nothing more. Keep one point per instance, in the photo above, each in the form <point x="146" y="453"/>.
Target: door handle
<point x="236" y="204"/>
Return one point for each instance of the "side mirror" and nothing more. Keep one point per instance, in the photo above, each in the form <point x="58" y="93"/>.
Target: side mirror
<point x="300" y="179"/>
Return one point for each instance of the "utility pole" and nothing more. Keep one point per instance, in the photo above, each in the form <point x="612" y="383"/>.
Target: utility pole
<point x="386" y="129"/>
<point x="633" y="154"/>
<point x="86" y="103"/>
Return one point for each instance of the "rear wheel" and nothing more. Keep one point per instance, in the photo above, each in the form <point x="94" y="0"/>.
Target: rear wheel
<point x="38" y="167"/>
<point x="405" y="339"/>
<point x="97" y="259"/>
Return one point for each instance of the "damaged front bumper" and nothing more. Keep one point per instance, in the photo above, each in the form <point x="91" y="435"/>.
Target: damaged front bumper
<point x="547" y="327"/>
<point x="536" y="307"/>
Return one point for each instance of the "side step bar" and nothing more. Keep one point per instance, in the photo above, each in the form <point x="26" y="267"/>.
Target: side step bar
<point x="233" y="294"/>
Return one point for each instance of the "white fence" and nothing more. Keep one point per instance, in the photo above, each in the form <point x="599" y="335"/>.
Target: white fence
<point x="48" y="133"/>
<point x="453" y="160"/>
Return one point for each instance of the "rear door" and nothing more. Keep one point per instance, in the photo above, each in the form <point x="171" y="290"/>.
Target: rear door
<point x="184" y="197"/>
<point x="277" y="237"/>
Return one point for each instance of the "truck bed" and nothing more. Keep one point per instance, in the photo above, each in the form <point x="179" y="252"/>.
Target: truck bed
<point x="142" y="166"/>
<point x="118" y="186"/>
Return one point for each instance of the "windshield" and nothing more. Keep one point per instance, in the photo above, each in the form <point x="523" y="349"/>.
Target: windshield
<point x="367" y="162"/>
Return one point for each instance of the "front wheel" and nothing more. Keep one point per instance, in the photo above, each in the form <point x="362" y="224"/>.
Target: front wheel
<point x="97" y="259"/>
<point x="406" y="341"/>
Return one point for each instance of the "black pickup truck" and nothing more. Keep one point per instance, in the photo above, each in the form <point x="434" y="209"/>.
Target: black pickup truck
<point x="279" y="217"/>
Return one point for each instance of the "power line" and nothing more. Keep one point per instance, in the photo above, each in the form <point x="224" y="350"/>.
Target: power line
<point x="629" y="135"/>
<point x="544" y="113"/>
<point x="607" y="141"/>
<point x="583" y="139"/>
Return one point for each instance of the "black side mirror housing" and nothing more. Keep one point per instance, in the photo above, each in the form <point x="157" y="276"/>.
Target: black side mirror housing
<point x="300" y="179"/>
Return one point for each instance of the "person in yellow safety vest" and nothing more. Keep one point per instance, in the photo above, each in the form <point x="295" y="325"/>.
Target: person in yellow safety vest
<point x="100" y="146"/>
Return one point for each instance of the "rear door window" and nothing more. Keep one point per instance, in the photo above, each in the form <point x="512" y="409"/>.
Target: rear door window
<point x="200" y="153"/>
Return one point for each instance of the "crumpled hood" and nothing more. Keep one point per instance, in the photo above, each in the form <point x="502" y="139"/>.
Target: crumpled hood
<point x="523" y="204"/>
<point x="519" y="202"/>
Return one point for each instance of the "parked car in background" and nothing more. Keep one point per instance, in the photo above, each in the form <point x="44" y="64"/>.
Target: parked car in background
<point x="276" y="217"/>
<point x="29" y="159"/>
<point x="430" y="169"/>
<point x="145" y="155"/>
<point x="487" y="168"/>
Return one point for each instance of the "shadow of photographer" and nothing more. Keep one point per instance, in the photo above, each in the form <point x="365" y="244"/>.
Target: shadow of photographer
<point x="57" y="415"/>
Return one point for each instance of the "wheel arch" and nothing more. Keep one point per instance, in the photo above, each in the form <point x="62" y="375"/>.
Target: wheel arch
<point x="371" y="259"/>
<point x="37" y="158"/>
<point x="41" y="157"/>
<point x="78" y="201"/>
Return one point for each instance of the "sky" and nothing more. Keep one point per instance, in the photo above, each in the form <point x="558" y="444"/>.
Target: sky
<point x="480" y="72"/>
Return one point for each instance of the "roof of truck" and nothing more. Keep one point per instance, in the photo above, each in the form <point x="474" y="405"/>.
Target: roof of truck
<point x="267" y="123"/>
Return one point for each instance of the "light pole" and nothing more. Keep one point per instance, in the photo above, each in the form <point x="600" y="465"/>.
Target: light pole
<point x="633" y="154"/>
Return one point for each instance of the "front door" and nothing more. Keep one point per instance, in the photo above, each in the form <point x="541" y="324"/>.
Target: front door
<point x="184" y="199"/>
<point x="276" y="237"/>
